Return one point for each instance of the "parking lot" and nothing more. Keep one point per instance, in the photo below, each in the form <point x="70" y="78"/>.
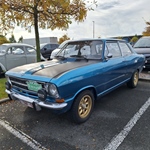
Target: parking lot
<point x="120" y="121"/>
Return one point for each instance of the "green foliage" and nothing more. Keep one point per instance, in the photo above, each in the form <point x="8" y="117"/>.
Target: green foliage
<point x="3" y="39"/>
<point x="134" y="39"/>
<point x="63" y="38"/>
<point x="20" y="40"/>
<point x="41" y="14"/>
<point x="3" y="94"/>
<point x="12" y="39"/>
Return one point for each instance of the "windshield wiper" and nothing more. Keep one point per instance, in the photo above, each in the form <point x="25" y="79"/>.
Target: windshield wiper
<point x="141" y="47"/>
<point x="79" y="56"/>
<point x="60" y="57"/>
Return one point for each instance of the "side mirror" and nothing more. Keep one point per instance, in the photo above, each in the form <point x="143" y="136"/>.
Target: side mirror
<point x="45" y="49"/>
<point x="109" y="55"/>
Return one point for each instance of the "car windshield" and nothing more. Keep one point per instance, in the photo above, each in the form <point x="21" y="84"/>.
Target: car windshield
<point x="142" y="43"/>
<point x="81" y="49"/>
<point x="63" y="44"/>
<point x="42" y="45"/>
<point x="3" y="48"/>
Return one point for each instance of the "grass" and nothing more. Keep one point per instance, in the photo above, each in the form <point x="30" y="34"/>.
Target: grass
<point x="3" y="94"/>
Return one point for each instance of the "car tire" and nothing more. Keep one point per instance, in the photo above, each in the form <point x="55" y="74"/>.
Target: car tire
<point x="82" y="107"/>
<point x="133" y="82"/>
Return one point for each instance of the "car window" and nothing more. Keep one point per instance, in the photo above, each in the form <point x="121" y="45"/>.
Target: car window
<point x="48" y="46"/>
<point x="112" y="48"/>
<point x="142" y="43"/>
<point x="124" y="48"/>
<point x="15" y="50"/>
<point x="98" y="48"/>
<point x="30" y="49"/>
<point x="88" y="49"/>
<point x="3" y="48"/>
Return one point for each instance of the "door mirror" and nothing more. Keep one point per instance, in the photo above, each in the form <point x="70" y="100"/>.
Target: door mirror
<point x="109" y="55"/>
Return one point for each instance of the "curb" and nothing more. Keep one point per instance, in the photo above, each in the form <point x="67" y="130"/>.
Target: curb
<point x="4" y="100"/>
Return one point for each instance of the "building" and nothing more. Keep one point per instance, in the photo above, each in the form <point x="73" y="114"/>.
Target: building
<point x="32" y="41"/>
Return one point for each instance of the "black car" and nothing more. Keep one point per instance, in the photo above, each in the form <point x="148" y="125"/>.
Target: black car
<point x="47" y="48"/>
<point x="142" y="46"/>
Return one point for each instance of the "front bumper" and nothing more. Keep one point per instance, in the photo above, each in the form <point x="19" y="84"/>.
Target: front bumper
<point x="36" y="103"/>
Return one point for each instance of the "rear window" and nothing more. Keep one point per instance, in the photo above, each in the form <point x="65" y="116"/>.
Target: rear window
<point x="142" y="43"/>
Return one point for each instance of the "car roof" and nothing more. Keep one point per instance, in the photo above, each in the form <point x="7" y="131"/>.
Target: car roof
<point x="98" y="39"/>
<point x="16" y="44"/>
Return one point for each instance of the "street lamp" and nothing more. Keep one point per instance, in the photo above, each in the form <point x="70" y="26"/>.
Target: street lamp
<point x="93" y="28"/>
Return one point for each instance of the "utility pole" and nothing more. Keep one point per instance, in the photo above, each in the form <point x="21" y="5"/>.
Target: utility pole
<point x="93" y="28"/>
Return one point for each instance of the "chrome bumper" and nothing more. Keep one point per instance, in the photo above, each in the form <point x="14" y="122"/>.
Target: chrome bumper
<point x="37" y="104"/>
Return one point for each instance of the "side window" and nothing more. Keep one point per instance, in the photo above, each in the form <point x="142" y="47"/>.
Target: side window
<point x="48" y="46"/>
<point x="30" y="50"/>
<point x="125" y="49"/>
<point x="112" y="48"/>
<point x="99" y="48"/>
<point x="15" y="50"/>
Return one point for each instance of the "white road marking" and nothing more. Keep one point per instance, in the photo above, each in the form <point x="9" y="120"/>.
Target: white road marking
<point x="22" y="136"/>
<point x="118" y="139"/>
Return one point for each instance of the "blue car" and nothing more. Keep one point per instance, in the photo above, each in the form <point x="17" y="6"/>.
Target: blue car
<point x="80" y="73"/>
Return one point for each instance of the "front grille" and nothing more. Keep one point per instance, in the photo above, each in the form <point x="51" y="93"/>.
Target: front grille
<point x="21" y="85"/>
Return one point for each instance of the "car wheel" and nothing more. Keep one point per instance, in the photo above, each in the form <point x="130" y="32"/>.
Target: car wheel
<point x="82" y="107"/>
<point x="134" y="80"/>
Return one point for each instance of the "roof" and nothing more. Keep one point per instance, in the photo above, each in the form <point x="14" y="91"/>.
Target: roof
<point x="16" y="44"/>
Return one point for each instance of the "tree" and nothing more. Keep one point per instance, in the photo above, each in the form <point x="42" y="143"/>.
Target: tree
<point x="20" y="40"/>
<point x="63" y="38"/>
<point x="12" y="39"/>
<point x="147" y="30"/>
<point x="134" y="39"/>
<point x="41" y="14"/>
<point x="3" y="39"/>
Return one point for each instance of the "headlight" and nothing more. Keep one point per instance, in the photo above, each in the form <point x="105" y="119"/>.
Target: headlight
<point x="52" y="90"/>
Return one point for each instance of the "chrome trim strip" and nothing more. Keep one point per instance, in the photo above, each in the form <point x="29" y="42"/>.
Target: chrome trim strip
<point x="38" y="103"/>
<point x="18" y="83"/>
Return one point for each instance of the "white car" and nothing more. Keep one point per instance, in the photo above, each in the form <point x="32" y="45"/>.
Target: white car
<point x="55" y="51"/>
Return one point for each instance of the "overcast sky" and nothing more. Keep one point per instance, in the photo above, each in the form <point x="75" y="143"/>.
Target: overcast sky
<point x="110" y="18"/>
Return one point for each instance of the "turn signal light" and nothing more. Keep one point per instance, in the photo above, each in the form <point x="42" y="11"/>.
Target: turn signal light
<point x="60" y="100"/>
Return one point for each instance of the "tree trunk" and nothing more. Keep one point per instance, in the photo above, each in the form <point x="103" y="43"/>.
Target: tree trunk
<point x="37" y="35"/>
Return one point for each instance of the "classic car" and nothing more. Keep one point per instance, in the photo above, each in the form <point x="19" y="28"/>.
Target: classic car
<point x="81" y="72"/>
<point x="16" y="54"/>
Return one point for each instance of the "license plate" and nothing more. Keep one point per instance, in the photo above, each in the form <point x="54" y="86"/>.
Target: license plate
<point x="34" y="86"/>
<point x="27" y="104"/>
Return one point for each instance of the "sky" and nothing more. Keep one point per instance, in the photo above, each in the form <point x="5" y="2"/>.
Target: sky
<point x="111" y="18"/>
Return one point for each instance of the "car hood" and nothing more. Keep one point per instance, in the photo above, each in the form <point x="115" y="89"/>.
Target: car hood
<point x="49" y="69"/>
<point x="142" y="50"/>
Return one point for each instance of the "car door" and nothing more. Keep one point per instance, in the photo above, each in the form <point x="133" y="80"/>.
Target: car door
<point x="115" y="67"/>
<point x="30" y="54"/>
<point x="15" y="56"/>
<point x="46" y="51"/>
<point x="129" y="57"/>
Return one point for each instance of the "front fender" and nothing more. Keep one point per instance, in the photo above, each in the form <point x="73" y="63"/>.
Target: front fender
<point x="2" y="68"/>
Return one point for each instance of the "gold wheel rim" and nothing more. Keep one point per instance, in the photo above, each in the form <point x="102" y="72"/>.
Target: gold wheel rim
<point x="85" y="106"/>
<point x="136" y="77"/>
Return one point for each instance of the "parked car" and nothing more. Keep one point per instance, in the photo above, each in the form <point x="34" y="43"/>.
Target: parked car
<point x="81" y="72"/>
<point x="142" y="46"/>
<point x="47" y="48"/>
<point x="15" y="54"/>
<point x="55" y="51"/>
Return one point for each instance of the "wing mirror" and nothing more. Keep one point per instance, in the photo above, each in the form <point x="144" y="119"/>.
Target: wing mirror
<point x="109" y="55"/>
